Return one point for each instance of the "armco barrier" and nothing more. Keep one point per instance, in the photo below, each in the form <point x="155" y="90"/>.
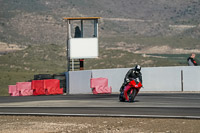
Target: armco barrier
<point x="154" y="79"/>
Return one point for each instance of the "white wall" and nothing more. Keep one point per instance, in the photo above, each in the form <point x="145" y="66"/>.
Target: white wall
<point x="154" y="79"/>
<point x="79" y="82"/>
<point x="161" y="79"/>
<point x="191" y="78"/>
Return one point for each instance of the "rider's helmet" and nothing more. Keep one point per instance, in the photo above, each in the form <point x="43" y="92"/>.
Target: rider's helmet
<point x="137" y="69"/>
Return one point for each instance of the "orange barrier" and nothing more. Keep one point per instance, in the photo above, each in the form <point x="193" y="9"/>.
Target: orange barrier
<point x="46" y="87"/>
<point x="13" y="90"/>
<point x="24" y="88"/>
<point x="52" y="86"/>
<point x="36" y="87"/>
<point x="100" y="86"/>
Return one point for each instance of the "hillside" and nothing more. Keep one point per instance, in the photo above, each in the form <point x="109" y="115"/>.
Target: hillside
<point x="40" y="22"/>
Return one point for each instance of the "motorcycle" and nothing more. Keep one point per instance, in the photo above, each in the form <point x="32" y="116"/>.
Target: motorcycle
<point x="130" y="91"/>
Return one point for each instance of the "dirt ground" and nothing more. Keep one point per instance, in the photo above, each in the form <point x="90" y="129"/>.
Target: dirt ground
<point x="46" y="124"/>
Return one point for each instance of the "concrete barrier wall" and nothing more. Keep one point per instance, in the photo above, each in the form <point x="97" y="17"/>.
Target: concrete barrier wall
<point x="79" y="82"/>
<point x="154" y="79"/>
<point x="191" y="78"/>
<point x="161" y="79"/>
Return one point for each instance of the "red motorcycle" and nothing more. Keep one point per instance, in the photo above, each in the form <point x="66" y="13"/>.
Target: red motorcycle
<point x="130" y="91"/>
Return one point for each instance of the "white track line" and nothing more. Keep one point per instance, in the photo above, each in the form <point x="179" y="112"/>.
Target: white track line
<point x="102" y="115"/>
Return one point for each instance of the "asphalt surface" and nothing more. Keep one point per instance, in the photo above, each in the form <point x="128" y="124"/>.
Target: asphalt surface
<point x="166" y="105"/>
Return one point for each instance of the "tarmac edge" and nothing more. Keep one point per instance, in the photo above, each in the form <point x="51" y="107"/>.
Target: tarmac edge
<point x="100" y="115"/>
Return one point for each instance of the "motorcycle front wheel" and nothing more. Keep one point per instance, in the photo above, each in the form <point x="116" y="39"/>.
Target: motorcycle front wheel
<point x="121" y="97"/>
<point x="133" y="95"/>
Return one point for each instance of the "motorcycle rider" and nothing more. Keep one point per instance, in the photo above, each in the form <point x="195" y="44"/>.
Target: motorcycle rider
<point x="132" y="74"/>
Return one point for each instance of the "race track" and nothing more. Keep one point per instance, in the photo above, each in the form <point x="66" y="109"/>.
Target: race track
<point x="164" y="105"/>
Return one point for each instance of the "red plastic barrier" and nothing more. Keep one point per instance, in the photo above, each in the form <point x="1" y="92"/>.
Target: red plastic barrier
<point x="13" y="90"/>
<point x="100" y="85"/>
<point x="59" y="91"/>
<point x="102" y="90"/>
<point x="24" y="88"/>
<point x="38" y="87"/>
<point x="16" y="93"/>
<point x="94" y="82"/>
<point x="26" y="93"/>
<point x="52" y="87"/>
